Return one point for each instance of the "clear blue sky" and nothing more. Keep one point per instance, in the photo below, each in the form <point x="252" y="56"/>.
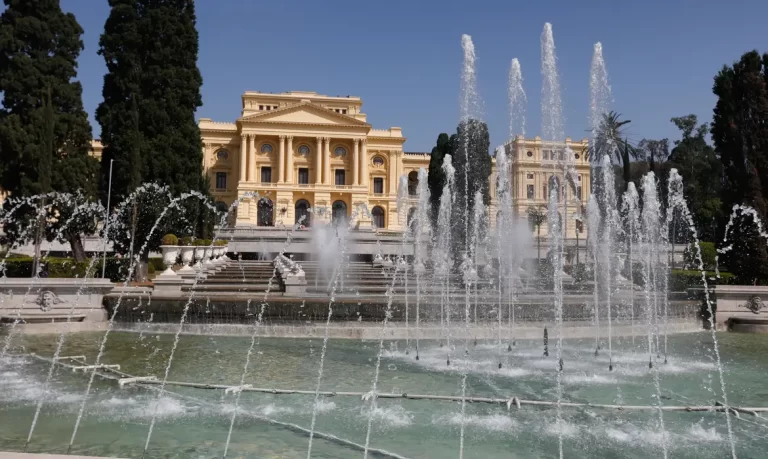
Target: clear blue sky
<point x="403" y="56"/>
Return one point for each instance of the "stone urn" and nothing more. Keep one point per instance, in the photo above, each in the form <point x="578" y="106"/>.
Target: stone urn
<point x="207" y="262"/>
<point x="377" y="260"/>
<point x="187" y="253"/>
<point x="224" y="252"/>
<point x="170" y="255"/>
<point x="419" y="268"/>
<point x="199" y="255"/>
<point x="387" y="263"/>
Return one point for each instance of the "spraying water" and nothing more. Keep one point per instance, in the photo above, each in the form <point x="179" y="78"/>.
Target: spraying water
<point x="599" y="89"/>
<point x="651" y="216"/>
<point x="518" y="102"/>
<point x="610" y="228"/>
<point x="631" y="209"/>
<point x="421" y="227"/>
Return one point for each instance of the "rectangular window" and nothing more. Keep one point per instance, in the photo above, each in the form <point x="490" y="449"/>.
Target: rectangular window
<point x="340" y="177"/>
<point x="261" y="107"/>
<point x="545" y="193"/>
<point x="578" y="193"/>
<point x="378" y="185"/>
<point x="530" y="192"/>
<point x="530" y="176"/>
<point x="344" y="112"/>
<point x="303" y="175"/>
<point x="221" y="180"/>
<point x="266" y="175"/>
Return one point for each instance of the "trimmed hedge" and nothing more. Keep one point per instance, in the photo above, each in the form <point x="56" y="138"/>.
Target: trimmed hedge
<point x="117" y="268"/>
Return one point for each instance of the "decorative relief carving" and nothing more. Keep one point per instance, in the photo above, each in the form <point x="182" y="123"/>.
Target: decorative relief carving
<point x="754" y="304"/>
<point x="46" y="300"/>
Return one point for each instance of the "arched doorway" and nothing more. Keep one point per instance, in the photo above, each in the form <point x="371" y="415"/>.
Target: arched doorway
<point x="413" y="182"/>
<point x="377" y="214"/>
<point x="339" y="212"/>
<point x="302" y="212"/>
<point x="265" y="213"/>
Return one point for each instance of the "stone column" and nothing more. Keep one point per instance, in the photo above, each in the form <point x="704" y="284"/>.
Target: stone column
<point x="392" y="174"/>
<point x="364" y="179"/>
<point x="281" y="160"/>
<point x="356" y="164"/>
<point x="289" y="161"/>
<point x="243" y="157"/>
<point x="327" y="162"/>
<point x="319" y="162"/>
<point x="252" y="160"/>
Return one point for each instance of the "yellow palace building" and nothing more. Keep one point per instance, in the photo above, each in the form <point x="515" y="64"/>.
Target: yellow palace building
<point x="291" y="152"/>
<point x="300" y="150"/>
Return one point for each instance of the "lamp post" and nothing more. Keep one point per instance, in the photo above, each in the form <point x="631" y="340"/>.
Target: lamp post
<point x="106" y="220"/>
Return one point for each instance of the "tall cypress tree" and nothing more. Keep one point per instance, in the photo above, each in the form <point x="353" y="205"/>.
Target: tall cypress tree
<point x="44" y="131"/>
<point x="151" y="92"/>
<point x="436" y="176"/>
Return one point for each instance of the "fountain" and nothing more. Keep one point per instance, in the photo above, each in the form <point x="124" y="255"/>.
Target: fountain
<point x="425" y="350"/>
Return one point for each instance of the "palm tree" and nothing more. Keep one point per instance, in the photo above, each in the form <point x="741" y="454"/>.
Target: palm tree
<point x="611" y="139"/>
<point x="536" y="218"/>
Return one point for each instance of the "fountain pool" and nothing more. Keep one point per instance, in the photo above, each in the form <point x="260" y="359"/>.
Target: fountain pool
<point x="194" y="422"/>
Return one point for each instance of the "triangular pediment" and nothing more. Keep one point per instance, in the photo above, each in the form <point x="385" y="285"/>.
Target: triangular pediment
<point x="303" y="113"/>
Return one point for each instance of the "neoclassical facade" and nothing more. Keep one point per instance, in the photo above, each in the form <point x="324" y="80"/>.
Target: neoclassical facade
<point x="294" y="151"/>
<point x="535" y="166"/>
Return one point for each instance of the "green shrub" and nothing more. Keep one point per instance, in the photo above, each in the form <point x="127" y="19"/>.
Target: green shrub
<point x="708" y="255"/>
<point x="117" y="269"/>
<point x="170" y="239"/>
<point x="187" y="241"/>
<point x="155" y="264"/>
<point x="200" y="243"/>
<point x="580" y="272"/>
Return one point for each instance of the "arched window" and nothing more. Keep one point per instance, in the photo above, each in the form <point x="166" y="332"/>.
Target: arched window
<point x="339" y="213"/>
<point x="340" y="152"/>
<point x="222" y="155"/>
<point x="266" y="148"/>
<point x="413" y="182"/>
<point x="304" y="150"/>
<point x="554" y="184"/>
<point x="377" y="214"/>
<point x="265" y="213"/>
<point x="378" y="161"/>
<point x="302" y="212"/>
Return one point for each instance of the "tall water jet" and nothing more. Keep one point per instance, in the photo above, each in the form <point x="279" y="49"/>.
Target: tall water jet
<point x="442" y="255"/>
<point x="593" y="226"/>
<point x="421" y="228"/>
<point x="470" y="110"/>
<point x="630" y="209"/>
<point x="599" y="89"/>
<point x="402" y="210"/>
<point x="551" y="103"/>
<point x="518" y="102"/>
<point x="503" y="226"/>
<point x="611" y="226"/>
<point x="651" y="219"/>
<point x="677" y="201"/>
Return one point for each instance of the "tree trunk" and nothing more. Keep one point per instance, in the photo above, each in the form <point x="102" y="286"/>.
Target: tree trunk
<point x="76" y="244"/>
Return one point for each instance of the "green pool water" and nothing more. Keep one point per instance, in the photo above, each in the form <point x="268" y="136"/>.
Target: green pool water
<point x="193" y="423"/>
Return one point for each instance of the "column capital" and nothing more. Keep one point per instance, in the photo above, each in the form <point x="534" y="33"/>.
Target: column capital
<point x="282" y="137"/>
<point x="363" y="141"/>
<point x="289" y="137"/>
<point x="326" y="139"/>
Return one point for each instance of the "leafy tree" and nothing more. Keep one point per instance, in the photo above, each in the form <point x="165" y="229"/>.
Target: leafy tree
<point x="151" y="92"/>
<point x="654" y="151"/>
<point x="611" y="139"/>
<point x="44" y="131"/>
<point x="471" y="155"/>
<point x="436" y="176"/>
<point x="740" y="130"/>
<point x="698" y="164"/>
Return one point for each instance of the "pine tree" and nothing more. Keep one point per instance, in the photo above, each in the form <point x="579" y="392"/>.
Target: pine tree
<point x="473" y="137"/>
<point x="44" y="131"/>
<point x="151" y="92"/>
<point x="436" y="176"/>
